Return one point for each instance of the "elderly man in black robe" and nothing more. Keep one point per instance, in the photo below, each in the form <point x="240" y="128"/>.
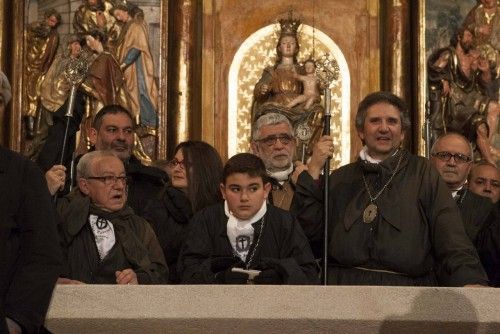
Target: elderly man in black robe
<point x="103" y="241"/>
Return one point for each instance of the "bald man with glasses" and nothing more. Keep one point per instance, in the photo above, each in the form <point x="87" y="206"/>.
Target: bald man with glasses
<point x="451" y="154"/>
<point x="103" y="241"/>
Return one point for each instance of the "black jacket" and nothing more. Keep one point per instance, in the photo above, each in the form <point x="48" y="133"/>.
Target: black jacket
<point x="283" y="245"/>
<point x="488" y="245"/>
<point x="30" y="258"/>
<point x="474" y="210"/>
<point x="144" y="184"/>
<point x="169" y="216"/>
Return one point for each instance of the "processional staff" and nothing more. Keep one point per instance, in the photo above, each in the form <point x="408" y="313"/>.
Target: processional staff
<point x="75" y="72"/>
<point x="327" y="71"/>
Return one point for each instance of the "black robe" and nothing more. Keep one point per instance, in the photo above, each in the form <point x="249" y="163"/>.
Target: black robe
<point x="136" y="246"/>
<point x="30" y="257"/>
<point x="417" y="229"/>
<point x="282" y="242"/>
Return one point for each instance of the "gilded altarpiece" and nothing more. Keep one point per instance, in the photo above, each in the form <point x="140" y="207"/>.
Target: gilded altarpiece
<point x="357" y="28"/>
<point x="24" y="13"/>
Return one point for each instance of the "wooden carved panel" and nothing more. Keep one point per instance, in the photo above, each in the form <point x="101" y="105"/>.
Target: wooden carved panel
<point x="29" y="11"/>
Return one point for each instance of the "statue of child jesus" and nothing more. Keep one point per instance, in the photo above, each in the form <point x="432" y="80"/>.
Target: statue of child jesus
<point x="311" y="86"/>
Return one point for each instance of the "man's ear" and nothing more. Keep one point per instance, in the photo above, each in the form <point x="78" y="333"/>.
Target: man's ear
<point x="267" y="188"/>
<point x="361" y="135"/>
<point x="223" y="190"/>
<point x="83" y="186"/>
<point x="254" y="148"/>
<point x="93" y="136"/>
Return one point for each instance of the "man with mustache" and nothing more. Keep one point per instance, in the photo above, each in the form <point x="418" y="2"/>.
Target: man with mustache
<point x="451" y="154"/>
<point x="458" y="82"/>
<point x="112" y="129"/>
<point x="391" y="218"/>
<point x="273" y="141"/>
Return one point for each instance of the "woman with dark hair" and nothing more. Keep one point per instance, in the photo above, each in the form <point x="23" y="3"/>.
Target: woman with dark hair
<point x="195" y="180"/>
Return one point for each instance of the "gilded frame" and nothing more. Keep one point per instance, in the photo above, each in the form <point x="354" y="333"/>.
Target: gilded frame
<point x="18" y="22"/>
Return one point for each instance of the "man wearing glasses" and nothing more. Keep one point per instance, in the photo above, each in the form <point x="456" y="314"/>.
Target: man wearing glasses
<point x="451" y="154"/>
<point x="103" y="240"/>
<point x="113" y="128"/>
<point x="273" y="141"/>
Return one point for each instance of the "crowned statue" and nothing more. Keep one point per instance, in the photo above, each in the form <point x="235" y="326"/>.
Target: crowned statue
<point x="287" y="88"/>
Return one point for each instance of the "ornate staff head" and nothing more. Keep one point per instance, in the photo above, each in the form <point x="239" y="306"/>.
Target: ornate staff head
<point x="327" y="70"/>
<point x="76" y="70"/>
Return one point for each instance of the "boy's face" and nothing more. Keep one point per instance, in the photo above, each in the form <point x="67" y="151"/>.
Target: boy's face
<point x="244" y="194"/>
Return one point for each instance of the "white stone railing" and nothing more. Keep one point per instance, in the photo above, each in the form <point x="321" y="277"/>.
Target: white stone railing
<point x="272" y="309"/>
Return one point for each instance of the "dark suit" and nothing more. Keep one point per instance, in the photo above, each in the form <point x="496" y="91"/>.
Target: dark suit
<point x="474" y="210"/>
<point x="488" y="245"/>
<point x="30" y="258"/>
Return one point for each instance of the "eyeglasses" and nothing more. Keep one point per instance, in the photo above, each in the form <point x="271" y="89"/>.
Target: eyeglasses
<point x="109" y="179"/>
<point x="446" y="156"/>
<point x="174" y="162"/>
<point x="271" y="140"/>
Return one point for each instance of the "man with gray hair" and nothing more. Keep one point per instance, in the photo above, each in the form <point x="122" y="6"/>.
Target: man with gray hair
<point x="451" y="154"/>
<point x="103" y="241"/>
<point x="273" y="141"/>
<point x="391" y="218"/>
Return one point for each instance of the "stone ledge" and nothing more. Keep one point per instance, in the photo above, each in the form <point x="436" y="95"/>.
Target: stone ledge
<point x="272" y="309"/>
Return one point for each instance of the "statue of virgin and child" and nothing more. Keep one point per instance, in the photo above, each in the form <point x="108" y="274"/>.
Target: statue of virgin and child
<point x="290" y="88"/>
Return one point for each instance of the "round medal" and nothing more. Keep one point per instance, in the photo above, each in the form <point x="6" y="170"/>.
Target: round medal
<point x="370" y="213"/>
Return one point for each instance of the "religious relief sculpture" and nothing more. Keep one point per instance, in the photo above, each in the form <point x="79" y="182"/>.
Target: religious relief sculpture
<point x="287" y="88"/>
<point x="54" y="90"/>
<point x="95" y="15"/>
<point x="463" y="93"/>
<point x="484" y="22"/>
<point x="42" y="41"/>
<point x="104" y="81"/>
<point x="134" y="56"/>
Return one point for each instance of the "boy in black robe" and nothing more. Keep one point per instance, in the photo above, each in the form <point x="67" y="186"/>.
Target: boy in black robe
<point x="231" y="242"/>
